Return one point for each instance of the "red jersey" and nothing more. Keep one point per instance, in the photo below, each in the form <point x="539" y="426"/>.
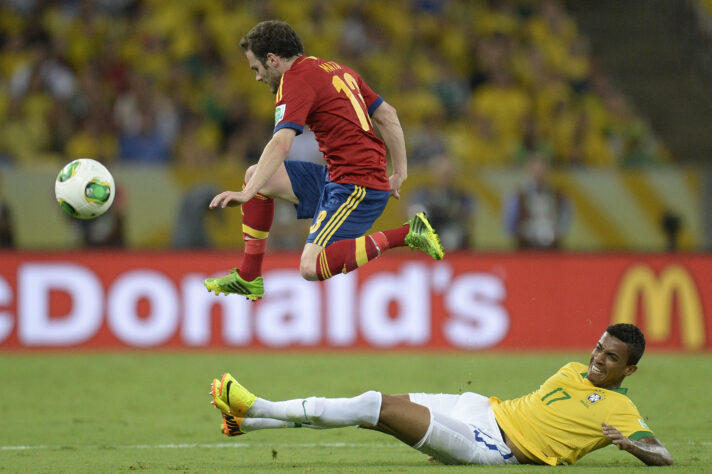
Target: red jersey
<point x="336" y="105"/>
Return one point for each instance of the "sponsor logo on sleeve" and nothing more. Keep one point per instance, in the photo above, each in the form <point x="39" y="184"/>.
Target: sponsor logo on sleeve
<point x="279" y="113"/>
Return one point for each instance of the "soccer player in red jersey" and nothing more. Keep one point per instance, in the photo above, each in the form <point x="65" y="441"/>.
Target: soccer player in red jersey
<point x="344" y="197"/>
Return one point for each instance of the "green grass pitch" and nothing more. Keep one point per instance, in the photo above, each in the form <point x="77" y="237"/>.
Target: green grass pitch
<point x="98" y="412"/>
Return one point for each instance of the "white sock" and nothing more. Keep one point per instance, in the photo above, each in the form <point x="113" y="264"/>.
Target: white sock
<point x="254" y="424"/>
<point x="323" y="412"/>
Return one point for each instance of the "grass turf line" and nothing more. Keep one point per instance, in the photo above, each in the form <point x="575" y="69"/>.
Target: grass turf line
<point x="150" y="411"/>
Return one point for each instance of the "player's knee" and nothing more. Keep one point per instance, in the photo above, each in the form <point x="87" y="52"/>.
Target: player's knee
<point x="388" y="405"/>
<point x="307" y="267"/>
<point x="308" y="271"/>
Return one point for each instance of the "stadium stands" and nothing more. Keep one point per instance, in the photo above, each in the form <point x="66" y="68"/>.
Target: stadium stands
<point x="136" y="82"/>
<point x="154" y="81"/>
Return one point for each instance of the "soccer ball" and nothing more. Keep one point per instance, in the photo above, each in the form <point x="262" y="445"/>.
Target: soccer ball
<point x="84" y="188"/>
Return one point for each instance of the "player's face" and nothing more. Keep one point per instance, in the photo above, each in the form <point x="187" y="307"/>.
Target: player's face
<point x="267" y="74"/>
<point x="609" y="362"/>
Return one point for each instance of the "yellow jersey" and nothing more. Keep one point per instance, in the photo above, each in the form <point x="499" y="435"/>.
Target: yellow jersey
<point x="561" y="421"/>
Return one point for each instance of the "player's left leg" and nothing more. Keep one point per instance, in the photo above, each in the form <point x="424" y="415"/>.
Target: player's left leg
<point x="257" y="215"/>
<point x="294" y="181"/>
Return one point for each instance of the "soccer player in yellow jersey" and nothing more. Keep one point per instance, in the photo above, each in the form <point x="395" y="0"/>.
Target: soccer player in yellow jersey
<point x="575" y="411"/>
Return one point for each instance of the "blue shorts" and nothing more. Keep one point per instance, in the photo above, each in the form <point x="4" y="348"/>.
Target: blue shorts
<point x="338" y="211"/>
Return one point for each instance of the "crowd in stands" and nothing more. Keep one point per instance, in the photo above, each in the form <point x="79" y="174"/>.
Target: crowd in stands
<point x="703" y="16"/>
<point x="488" y="82"/>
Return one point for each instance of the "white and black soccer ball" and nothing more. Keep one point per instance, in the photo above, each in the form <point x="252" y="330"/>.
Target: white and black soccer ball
<point x="84" y="188"/>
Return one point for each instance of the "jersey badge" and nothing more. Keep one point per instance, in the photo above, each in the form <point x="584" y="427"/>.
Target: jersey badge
<point x="595" y="397"/>
<point x="279" y="113"/>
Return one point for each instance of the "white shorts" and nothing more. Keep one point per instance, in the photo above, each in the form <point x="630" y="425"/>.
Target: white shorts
<point x="462" y="430"/>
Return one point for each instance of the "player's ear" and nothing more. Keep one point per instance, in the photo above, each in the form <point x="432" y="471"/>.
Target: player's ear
<point x="629" y="370"/>
<point x="272" y="59"/>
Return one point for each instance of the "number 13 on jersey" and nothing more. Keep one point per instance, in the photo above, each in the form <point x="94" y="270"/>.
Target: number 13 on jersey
<point x="351" y="89"/>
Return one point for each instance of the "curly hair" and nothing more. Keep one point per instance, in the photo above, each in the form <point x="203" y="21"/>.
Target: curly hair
<point x="272" y="36"/>
<point x="633" y="337"/>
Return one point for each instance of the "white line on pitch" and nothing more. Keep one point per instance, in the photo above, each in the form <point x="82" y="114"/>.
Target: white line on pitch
<point x="209" y="445"/>
<point x="258" y="445"/>
<point x="20" y="448"/>
<point x="253" y="445"/>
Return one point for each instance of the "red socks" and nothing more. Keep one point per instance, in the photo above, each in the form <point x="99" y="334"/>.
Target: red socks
<point x="347" y="255"/>
<point x="257" y="215"/>
<point x="395" y="237"/>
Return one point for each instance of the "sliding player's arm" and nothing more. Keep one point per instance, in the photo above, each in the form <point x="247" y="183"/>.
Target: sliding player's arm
<point x="273" y="156"/>
<point x="385" y="120"/>
<point x="649" y="449"/>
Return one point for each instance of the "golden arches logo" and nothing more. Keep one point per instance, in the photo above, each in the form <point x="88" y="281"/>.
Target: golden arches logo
<point x="656" y="293"/>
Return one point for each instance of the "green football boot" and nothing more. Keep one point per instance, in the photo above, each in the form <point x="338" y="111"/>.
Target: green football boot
<point x="421" y="236"/>
<point x="233" y="283"/>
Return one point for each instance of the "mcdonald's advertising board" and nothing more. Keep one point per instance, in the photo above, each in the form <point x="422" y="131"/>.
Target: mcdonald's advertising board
<point x="537" y="301"/>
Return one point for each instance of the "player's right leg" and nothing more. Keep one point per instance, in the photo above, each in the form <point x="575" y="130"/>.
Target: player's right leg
<point x="421" y="236"/>
<point x="236" y="426"/>
<point x="343" y="253"/>
<point x="257" y="215"/>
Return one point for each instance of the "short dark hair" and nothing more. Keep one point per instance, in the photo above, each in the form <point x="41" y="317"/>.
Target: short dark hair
<point x="272" y="36"/>
<point x="633" y="337"/>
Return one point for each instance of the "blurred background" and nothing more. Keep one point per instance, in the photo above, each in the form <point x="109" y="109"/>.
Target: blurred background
<point x="561" y="149"/>
<point x="581" y="126"/>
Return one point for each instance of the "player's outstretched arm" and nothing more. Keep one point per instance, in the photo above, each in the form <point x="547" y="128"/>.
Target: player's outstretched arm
<point x="385" y="120"/>
<point x="649" y="449"/>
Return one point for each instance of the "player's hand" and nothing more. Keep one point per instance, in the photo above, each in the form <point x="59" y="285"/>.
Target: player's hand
<point x="396" y="183"/>
<point x="229" y="198"/>
<point x="616" y="437"/>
